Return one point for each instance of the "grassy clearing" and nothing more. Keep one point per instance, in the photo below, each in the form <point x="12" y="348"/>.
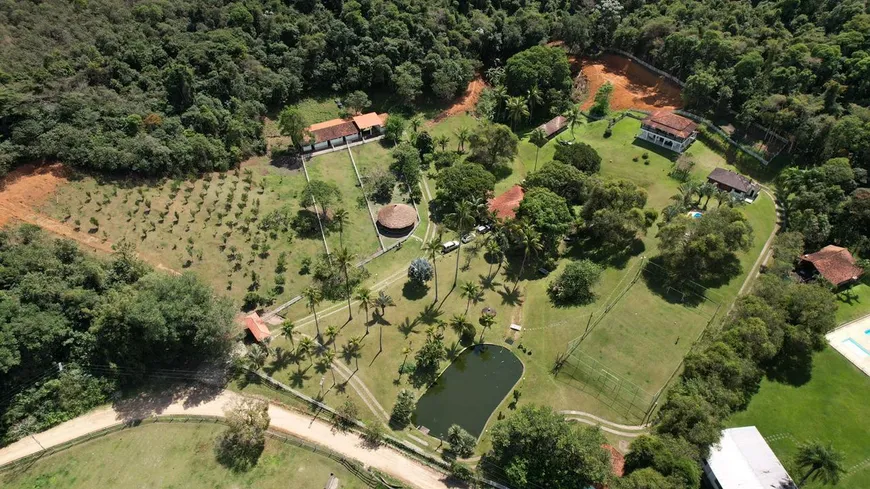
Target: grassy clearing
<point x="174" y="455"/>
<point x="854" y="303"/>
<point x="831" y="407"/>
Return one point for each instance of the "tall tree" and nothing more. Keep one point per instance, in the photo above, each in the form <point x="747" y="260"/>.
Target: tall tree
<point x="539" y="139"/>
<point x="518" y="110"/>
<point x="345" y="259"/>
<point x="461" y="218"/>
<point x="292" y="124"/>
<point x="313" y="296"/>
<point x="432" y="249"/>
<point x="340" y="217"/>
<point x="820" y="462"/>
<point x="364" y="296"/>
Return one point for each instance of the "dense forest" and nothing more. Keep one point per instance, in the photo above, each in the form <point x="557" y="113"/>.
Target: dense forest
<point x="74" y="329"/>
<point x="175" y="87"/>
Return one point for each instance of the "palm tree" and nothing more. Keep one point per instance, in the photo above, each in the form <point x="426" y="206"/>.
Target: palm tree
<point x="406" y="350"/>
<point x="486" y="321"/>
<point x="313" y="296"/>
<point x="470" y="291"/>
<point x="721" y="196"/>
<point x="462" y="136"/>
<point x="462" y="219"/>
<point x="706" y="189"/>
<point x="535" y="98"/>
<point x="353" y="349"/>
<point x="288" y="328"/>
<point x="501" y="94"/>
<point x="257" y="356"/>
<point x="530" y="239"/>
<point x="364" y="296"/>
<point x="331" y="333"/>
<point x="345" y="258"/>
<point x="821" y="463"/>
<point x="539" y="139"/>
<point x="416" y="122"/>
<point x="383" y="301"/>
<point x="493" y="249"/>
<point x="432" y="248"/>
<point x="442" y="141"/>
<point x="327" y="360"/>
<point x="517" y="110"/>
<point x="459" y="323"/>
<point x="341" y="216"/>
<point x="306" y="347"/>
<point x="573" y="117"/>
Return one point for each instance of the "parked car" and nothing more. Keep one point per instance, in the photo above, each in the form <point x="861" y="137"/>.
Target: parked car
<point x="483" y="228"/>
<point x="565" y="142"/>
<point x="338" y="103"/>
<point x="543" y="271"/>
<point x="449" y="246"/>
<point x="468" y="238"/>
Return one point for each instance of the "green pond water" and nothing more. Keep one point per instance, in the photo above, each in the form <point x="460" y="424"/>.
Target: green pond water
<point x="469" y="390"/>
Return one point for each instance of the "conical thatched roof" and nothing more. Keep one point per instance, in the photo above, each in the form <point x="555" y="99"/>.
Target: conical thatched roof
<point x="397" y="216"/>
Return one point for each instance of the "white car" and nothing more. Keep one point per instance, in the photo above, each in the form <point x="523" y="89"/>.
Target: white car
<point x="449" y="246"/>
<point x="468" y="238"/>
<point x="483" y="228"/>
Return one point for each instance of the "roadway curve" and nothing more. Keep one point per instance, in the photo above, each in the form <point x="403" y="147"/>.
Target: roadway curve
<point x="349" y="444"/>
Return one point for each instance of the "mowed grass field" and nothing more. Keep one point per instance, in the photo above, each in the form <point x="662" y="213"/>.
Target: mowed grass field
<point x="831" y="407"/>
<point x="173" y="456"/>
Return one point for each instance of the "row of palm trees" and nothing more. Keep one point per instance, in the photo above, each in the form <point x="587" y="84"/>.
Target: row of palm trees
<point x="691" y="193"/>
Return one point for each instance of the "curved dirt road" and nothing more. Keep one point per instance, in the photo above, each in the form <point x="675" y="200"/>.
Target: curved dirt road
<point x="385" y="459"/>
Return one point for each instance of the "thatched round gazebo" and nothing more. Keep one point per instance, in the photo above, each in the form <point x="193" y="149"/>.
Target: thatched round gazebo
<point x="396" y="219"/>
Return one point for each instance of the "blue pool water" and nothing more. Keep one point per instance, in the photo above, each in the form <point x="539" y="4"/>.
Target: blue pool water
<point x="855" y="345"/>
<point x="867" y="332"/>
<point x="697" y="215"/>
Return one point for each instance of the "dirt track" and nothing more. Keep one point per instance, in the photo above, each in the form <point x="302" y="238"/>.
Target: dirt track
<point x="305" y="426"/>
<point x="464" y="103"/>
<point x="635" y="87"/>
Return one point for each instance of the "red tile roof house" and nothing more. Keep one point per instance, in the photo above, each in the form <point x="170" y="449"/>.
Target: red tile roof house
<point x="834" y="263"/>
<point x="554" y="126"/>
<point x="668" y="130"/>
<point x="254" y="325"/>
<point x="338" y="132"/>
<point x="736" y="183"/>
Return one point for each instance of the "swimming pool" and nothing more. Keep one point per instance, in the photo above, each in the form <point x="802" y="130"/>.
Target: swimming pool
<point x="856" y="348"/>
<point x="695" y="214"/>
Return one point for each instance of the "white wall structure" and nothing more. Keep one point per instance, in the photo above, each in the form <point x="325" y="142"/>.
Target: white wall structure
<point x="743" y="460"/>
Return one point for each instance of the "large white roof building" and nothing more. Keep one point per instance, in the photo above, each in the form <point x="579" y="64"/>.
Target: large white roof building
<point x="743" y="460"/>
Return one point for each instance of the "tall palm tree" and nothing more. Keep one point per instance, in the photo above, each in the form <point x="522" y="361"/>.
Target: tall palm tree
<point x="486" y="321"/>
<point x="459" y="323"/>
<point x="341" y="216"/>
<point x="461" y="219"/>
<point x="517" y="109"/>
<point x="383" y="301"/>
<point x="432" y="248"/>
<point x="416" y="122"/>
<point x="539" y="139"/>
<point x="707" y="190"/>
<point x="821" y="463"/>
<point x="462" y="136"/>
<point x="442" y="141"/>
<point x="306" y="347"/>
<point x="327" y="360"/>
<point x="470" y="291"/>
<point x="364" y="296"/>
<point x="530" y="239"/>
<point x="257" y="356"/>
<point x="493" y="249"/>
<point x="353" y="349"/>
<point x="331" y="333"/>
<point x="721" y="196"/>
<point x="501" y="94"/>
<point x="344" y="259"/>
<point x="288" y="328"/>
<point x="313" y="296"/>
<point x="406" y="350"/>
<point x="535" y="97"/>
<point x="573" y="116"/>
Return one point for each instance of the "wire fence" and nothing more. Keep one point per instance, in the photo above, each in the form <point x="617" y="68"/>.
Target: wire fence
<point x="603" y="382"/>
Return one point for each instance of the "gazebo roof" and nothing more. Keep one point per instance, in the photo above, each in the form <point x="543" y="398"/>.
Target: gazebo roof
<point x="397" y="216"/>
<point x="835" y="263"/>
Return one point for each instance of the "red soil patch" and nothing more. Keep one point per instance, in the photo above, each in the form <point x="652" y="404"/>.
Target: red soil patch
<point x="635" y="87"/>
<point x="465" y="103"/>
<point x="617" y="460"/>
<point x="505" y="205"/>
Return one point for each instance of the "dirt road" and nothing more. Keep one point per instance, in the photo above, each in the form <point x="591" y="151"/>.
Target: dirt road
<point x="464" y="103"/>
<point x="349" y="444"/>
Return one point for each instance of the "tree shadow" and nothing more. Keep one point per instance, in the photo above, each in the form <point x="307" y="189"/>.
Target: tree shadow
<point x="606" y="254"/>
<point x="407" y="326"/>
<point x="795" y="370"/>
<point x="414" y="291"/>
<point x="298" y="377"/>
<point x="155" y="399"/>
<point x="281" y="359"/>
<point x="429" y="315"/>
<point x="511" y="296"/>
<point x="677" y="286"/>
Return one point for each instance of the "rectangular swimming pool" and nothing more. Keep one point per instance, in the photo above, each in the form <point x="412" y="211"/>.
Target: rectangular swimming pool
<point x="856" y="348"/>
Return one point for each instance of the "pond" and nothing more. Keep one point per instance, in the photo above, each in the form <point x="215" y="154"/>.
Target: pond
<point x="469" y="390"/>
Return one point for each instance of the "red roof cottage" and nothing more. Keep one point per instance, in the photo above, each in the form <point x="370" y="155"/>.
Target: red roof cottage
<point x="668" y="130"/>
<point x="834" y="263"/>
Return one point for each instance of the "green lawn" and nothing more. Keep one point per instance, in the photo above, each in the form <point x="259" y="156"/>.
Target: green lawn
<point x="173" y="456"/>
<point x="853" y="303"/>
<point x="831" y="407"/>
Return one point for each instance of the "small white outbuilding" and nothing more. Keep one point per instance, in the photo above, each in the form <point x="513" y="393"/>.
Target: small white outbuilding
<point x="743" y="460"/>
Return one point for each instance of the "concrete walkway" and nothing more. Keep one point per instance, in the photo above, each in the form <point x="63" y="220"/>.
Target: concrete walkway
<point x="349" y="444"/>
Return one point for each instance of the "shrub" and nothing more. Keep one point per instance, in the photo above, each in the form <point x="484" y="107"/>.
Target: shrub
<point x="404" y="408"/>
<point x="575" y="284"/>
<point x="645" y="155"/>
<point x="420" y="271"/>
<point x="462" y="443"/>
